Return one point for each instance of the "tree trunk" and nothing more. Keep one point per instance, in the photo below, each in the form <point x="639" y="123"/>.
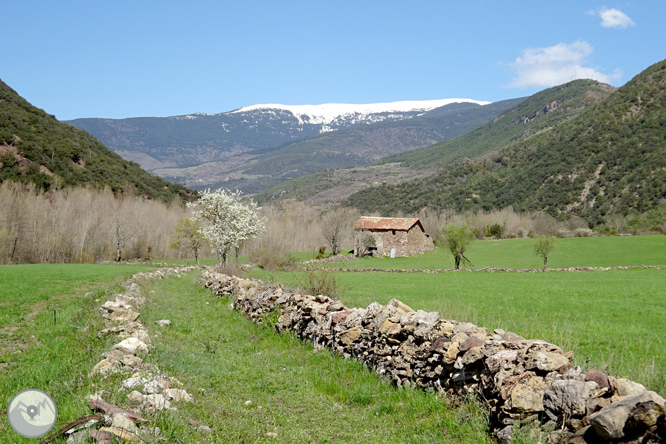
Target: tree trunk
<point x="545" y="261"/>
<point x="457" y="259"/>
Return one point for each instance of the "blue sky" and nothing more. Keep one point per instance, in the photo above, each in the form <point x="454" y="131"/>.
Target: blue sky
<point x="122" y="58"/>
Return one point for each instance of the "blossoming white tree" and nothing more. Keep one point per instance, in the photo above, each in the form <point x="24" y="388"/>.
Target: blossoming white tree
<point x="228" y="222"/>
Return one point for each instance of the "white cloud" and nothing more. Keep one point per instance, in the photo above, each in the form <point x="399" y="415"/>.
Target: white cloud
<point x="614" y="18"/>
<point x="554" y="65"/>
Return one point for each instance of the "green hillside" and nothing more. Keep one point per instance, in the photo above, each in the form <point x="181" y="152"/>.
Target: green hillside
<point x="35" y="147"/>
<point x="610" y="159"/>
<point x="540" y="112"/>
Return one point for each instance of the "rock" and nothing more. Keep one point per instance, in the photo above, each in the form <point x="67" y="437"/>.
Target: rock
<point x="156" y="401"/>
<point x="135" y="397"/>
<point x="452" y="353"/>
<point x="152" y="387"/>
<point x="350" y="335"/>
<point x="472" y="341"/>
<point x="610" y="421"/>
<point x="121" y="433"/>
<point x="644" y="415"/>
<point x="546" y="361"/>
<point x="121" y="421"/>
<point x="178" y="395"/>
<point x="340" y="317"/>
<point x="440" y="344"/>
<point x="102" y="436"/>
<point x="204" y="429"/>
<point x="511" y="337"/>
<point x="105" y="366"/>
<point x="80" y="437"/>
<point x="568" y="397"/>
<point x="625" y="387"/>
<point x="472" y="355"/>
<point x="502" y="360"/>
<point x="505" y="435"/>
<point x="131" y="361"/>
<point x="111" y="306"/>
<point x="271" y="434"/>
<point x="528" y="395"/>
<point x="390" y="328"/>
<point x="393" y="308"/>
<point x="131" y="345"/>
<point x="124" y="315"/>
<point x="163" y="322"/>
<point x="597" y="376"/>
<point x="132" y="383"/>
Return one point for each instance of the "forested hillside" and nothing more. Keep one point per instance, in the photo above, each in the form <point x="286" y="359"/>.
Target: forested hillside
<point x="610" y="159"/>
<point x="540" y="112"/>
<point x="36" y="148"/>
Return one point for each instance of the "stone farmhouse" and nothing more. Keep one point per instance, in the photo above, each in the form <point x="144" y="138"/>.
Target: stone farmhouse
<point x="378" y="236"/>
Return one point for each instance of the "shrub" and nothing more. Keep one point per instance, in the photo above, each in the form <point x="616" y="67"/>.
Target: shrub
<point x="272" y="260"/>
<point x="321" y="254"/>
<point x="496" y="230"/>
<point x="321" y="281"/>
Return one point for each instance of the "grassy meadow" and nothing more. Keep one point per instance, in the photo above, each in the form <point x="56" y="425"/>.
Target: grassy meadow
<point x="48" y="323"/>
<point x="612" y="319"/>
<point x="222" y="359"/>
<point x="519" y="253"/>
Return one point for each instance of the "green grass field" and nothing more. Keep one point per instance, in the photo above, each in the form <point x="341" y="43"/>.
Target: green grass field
<point x="223" y="359"/>
<point x="612" y="320"/>
<point x="47" y="332"/>
<point x="518" y="253"/>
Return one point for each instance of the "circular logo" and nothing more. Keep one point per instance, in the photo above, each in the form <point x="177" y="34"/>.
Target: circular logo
<point x="32" y="413"/>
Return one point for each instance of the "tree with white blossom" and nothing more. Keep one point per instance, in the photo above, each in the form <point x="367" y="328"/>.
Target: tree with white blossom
<point x="228" y="222"/>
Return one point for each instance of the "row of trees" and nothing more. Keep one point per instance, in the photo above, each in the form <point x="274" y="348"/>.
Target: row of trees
<point x="457" y="239"/>
<point x="82" y="225"/>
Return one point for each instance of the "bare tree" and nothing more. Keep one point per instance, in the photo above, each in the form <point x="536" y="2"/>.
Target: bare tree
<point x="337" y="227"/>
<point x="122" y="227"/>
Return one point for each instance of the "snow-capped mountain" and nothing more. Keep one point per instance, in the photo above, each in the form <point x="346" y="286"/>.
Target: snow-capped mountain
<point x="158" y="142"/>
<point x="332" y="116"/>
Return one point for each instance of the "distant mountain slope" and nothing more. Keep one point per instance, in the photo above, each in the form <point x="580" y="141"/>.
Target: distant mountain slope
<point x="257" y="170"/>
<point x="610" y="159"/>
<point x="523" y="119"/>
<point x="35" y="147"/>
<point x="179" y="141"/>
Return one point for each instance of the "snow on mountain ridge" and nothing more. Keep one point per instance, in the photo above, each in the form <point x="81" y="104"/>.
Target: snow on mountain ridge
<point x="326" y="113"/>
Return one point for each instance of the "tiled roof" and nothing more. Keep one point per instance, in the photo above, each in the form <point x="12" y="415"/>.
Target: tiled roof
<point x="385" y="223"/>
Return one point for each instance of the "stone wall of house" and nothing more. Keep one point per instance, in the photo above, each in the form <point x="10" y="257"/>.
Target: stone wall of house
<point x="520" y="380"/>
<point x="406" y="243"/>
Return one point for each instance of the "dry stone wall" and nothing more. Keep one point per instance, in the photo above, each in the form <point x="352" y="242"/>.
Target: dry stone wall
<point x="520" y="380"/>
<point x="149" y="389"/>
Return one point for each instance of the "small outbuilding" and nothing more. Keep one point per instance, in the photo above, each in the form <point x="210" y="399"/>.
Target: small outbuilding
<point x="390" y="236"/>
